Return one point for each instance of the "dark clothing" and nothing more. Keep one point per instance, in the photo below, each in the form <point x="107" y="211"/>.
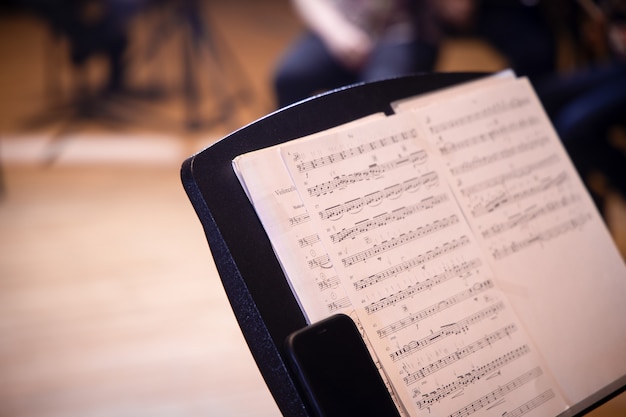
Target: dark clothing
<point x="519" y="32"/>
<point x="583" y="107"/>
<point x="308" y="67"/>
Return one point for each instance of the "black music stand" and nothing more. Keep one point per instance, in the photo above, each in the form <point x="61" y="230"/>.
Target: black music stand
<point x="257" y="289"/>
<point x="260" y="296"/>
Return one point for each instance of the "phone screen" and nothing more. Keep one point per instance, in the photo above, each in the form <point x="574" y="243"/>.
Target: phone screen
<point x="335" y="368"/>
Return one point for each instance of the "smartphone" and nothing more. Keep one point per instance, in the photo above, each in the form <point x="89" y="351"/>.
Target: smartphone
<point x="336" y="371"/>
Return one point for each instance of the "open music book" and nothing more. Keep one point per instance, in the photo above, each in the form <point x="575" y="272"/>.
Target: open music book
<point x="458" y="235"/>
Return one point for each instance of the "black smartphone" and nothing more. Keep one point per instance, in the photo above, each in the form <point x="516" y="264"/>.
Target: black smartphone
<point x="337" y="372"/>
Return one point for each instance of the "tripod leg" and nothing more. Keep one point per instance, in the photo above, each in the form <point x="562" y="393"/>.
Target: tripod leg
<point x="190" y="87"/>
<point x="3" y="189"/>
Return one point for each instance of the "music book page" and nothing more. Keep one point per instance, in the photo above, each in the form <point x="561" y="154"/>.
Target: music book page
<point x="534" y="218"/>
<point x="294" y="238"/>
<point x="460" y="237"/>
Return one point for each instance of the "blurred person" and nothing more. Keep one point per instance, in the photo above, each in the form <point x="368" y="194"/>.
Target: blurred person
<point x="350" y="41"/>
<point x="586" y="103"/>
<point x="92" y="27"/>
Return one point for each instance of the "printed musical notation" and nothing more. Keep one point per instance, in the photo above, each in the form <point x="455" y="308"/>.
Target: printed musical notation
<point x="509" y="152"/>
<point x="329" y="283"/>
<point x="500" y="179"/>
<point x="392" y="192"/>
<point x="355" y="151"/>
<point x="309" y="240"/>
<point x="414" y="262"/>
<point x="495" y="396"/>
<point x="339" y="305"/>
<point x="528" y="215"/>
<point x="541" y="236"/>
<point x="371" y="172"/>
<point x="386" y="219"/>
<point x="476" y="374"/>
<point x="322" y="261"/>
<point x="489" y="111"/>
<point x="461" y="353"/>
<point x="457" y="271"/>
<point x="299" y="219"/>
<point x="394" y="218"/>
<point x="459" y="327"/>
<point x="506" y="198"/>
<point x="531" y="405"/>
<point x="404" y="238"/>
<point x="522" y="205"/>
<point x="492" y="134"/>
<point x="426" y="226"/>
<point x="433" y="309"/>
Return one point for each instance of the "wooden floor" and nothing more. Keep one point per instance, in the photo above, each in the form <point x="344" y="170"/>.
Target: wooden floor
<point x="109" y="301"/>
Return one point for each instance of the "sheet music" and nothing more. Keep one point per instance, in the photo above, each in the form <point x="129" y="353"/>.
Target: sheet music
<point x="294" y="238"/>
<point x="545" y="239"/>
<point x="459" y="237"/>
<point x="413" y="103"/>
<point x="413" y="270"/>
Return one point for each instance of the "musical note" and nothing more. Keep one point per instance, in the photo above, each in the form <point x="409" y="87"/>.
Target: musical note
<point x="299" y="219"/>
<point x="372" y="199"/>
<point x="484" y="160"/>
<point x="328" y="283"/>
<point x="505" y="389"/>
<point x="421" y="259"/>
<point x="320" y="262"/>
<point x="491" y="110"/>
<point x="471" y="377"/>
<point x="488" y="136"/>
<point x="339" y="305"/>
<point x="461" y="353"/>
<point x="403" y="239"/>
<point x="352" y="206"/>
<point x="355" y="151"/>
<point x="505" y="198"/>
<point x="529" y="406"/>
<point x="449" y="330"/>
<point x="530" y="214"/>
<point x="541" y="237"/>
<point x="459" y="270"/>
<point x="433" y="309"/>
<point x="373" y="171"/>
<point x="512" y="174"/>
<point x="308" y="240"/>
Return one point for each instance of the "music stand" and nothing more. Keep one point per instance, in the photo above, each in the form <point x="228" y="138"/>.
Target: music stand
<point x="259" y="293"/>
<point x="257" y="289"/>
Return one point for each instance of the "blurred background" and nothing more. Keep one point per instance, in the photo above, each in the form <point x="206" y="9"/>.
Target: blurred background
<point x="110" y="304"/>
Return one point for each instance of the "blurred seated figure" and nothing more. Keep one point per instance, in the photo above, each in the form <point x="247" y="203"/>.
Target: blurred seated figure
<point x="349" y="41"/>
<point x="587" y="103"/>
